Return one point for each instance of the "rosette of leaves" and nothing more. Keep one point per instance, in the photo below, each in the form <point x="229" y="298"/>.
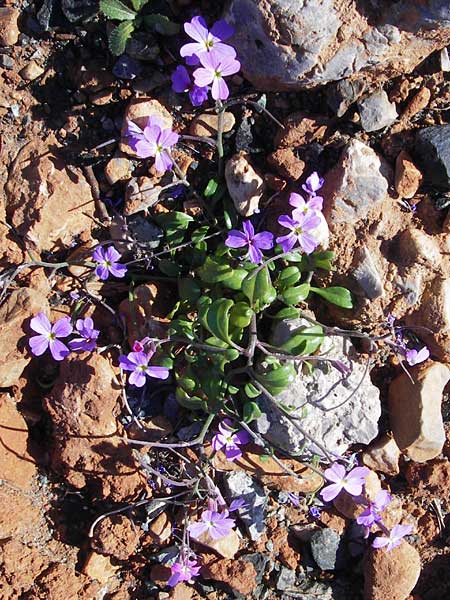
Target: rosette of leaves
<point x="131" y="18"/>
<point x="225" y="304"/>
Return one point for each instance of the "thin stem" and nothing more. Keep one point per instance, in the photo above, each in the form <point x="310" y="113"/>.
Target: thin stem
<point x="221" y="110"/>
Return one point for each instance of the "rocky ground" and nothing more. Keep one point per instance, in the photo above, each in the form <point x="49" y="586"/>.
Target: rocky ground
<point x="363" y="92"/>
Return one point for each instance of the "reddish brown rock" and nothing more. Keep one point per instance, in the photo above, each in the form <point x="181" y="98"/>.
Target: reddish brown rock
<point x="48" y="202"/>
<point x="301" y="129"/>
<point x="383" y="455"/>
<point x="118" y="168"/>
<point x="17" y="466"/>
<point x="138" y="111"/>
<point x="86" y="445"/>
<point x="115" y="536"/>
<point x="415" y="410"/>
<point x="286" y="163"/>
<point x="240" y="575"/>
<point x="417" y="103"/>
<point x="206" y="125"/>
<point x="407" y="176"/>
<point x="9" y="32"/>
<point x="15" y="313"/>
<point x="160" y="530"/>
<point x="99" y="568"/>
<point x="433" y="477"/>
<point x="391" y="575"/>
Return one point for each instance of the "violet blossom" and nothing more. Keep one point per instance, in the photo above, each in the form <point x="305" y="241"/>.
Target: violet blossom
<point x="237" y="504"/>
<point x="216" y="525"/>
<point x="415" y="357"/>
<point x="153" y="140"/>
<point x="352" y="482"/>
<point x="255" y="242"/>
<point x="313" y="183"/>
<point x="371" y="514"/>
<point x="394" y="538"/>
<point x="181" y="82"/>
<point x="183" y="570"/>
<point x="310" y="206"/>
<point x="48" y="336"/>
<point x="213" y="70"/>
<point x="302" y="227"/>
<point x="107" y="263"/>
<point x="229" y="440"/>
<point x="88" y="336"/>
<point x="138" y="364"/>
<point x="205" y="40"/>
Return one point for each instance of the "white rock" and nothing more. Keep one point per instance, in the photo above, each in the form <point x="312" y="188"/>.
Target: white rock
<point x="244" y="185"/>
<point x="336" y="410"/>
<point x="376" y="111"/>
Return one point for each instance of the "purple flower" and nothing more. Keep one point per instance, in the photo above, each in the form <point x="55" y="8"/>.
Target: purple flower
<point x="237" y="504"/>
<point x="207" y="41"/>
<point x="394" y="538"/>
<point x="311" y="206"/>
<point x="215" y="524"/>
<point x="214" y="68"/>
<point x="48" y="336"/>
<point x="390" y="320"/>
<point x="315" y="511"/>
<point x="230" y="441"/>
<point x="153" y="140"/>
<point x="181" y="82"/>
<point x="301" y="226"/>
<point x="183" y="570"/>
<point x="138" y="364"/>
<point x="294" y="499"/>
<point x="414" y="357"/>
<point x="352" y="482"/>
<point x="88" y="336"/>
<point x="313" y="183"/>
<point x="255" y="242"/>
<point x="107" y="263"/>
<point x="371" y="515"/>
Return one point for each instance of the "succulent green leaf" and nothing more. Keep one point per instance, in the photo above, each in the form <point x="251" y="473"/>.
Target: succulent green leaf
<point x="189" y="289"/>
<point x="215" y="270"/>
<point x="161" y="24"/>
<point x="258" y="288"/>
<point x="251" y="391"/>
<point x="240" y="315"/>
<point x="277" y="379"/>
<point x="138" y="4"/>
<point x="305" y="341"/>
<point x="211" y="188"/>
<point x="339" y="296"/>
<point x="287" y="313"/>
<point x="174" y="220"/>
<point x="251" y="412"/>
<point x="217" y="318"/>
<point x="295" y="295"/>
<point x="288" y="277"/>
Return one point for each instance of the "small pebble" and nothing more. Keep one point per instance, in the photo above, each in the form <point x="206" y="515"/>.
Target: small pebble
<point x="6" y="61"/>
<point x="32" y="71"/>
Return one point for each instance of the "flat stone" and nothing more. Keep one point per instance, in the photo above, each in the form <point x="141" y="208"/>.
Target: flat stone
<point x="391" y="575"/>
<point x="332" y="411"/>
<point x="9" y="32"/>
<point x="367" y="274"/>
<point x="226" y="546"/>
<point x="356" y="186"/>
<point x="383" y="455"/>
<point x="207" y="125"/>
<point x="415" y="410"/>
<point x="407" y="176"/>
<point x="118" y="168"/>
<point x="240" y="485"/>
<point x="286" y="579"/>
<point x="99" y="567"/>
<point x="433" y="150"/>
<point x="244" y="184"/>
<point x="31" y="71"/>
<point x="376" y="111"/>
<point x="328" y="550"/>
<point x="300" y="129"/>
<point x="286" y="163"/>
<point x="419" y="247"/>
<point x="140" y="194"/>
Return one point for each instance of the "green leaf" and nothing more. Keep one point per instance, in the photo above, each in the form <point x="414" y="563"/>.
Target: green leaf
<point x="339" y="296"/>
<point x="218" y="318"/>
<point x="169" y="267"/>
<point x="234" y="279"/>
<point x="174" y="220"/>
<point x="251" y="391"/>
<point x="199" y="234"/>
<point x="323" y="260"/>
<point x="189" y="289"/>
<point x="240" y="315"/>
<point x="215" y="270"/>
<point x="182" y="327"/>
<point x="187" y="384"/>
<point x="289" y="277"/>
<point x="304" y="341"/>
<point x="295" y="295"/>
<point x="115" y="9"/>
<point x="287" y="313"/>
<point x="190" y="402"/>
<point x="211" y="188"/>
<point x="161" y="24"/>
<point x="119" y="36"/>
<point x="258" y="288"/>
<point x="294" y="256"/>
<point x="277" y="379"/>
<point x="138" y="4"/>
<point x="251" y="412"/>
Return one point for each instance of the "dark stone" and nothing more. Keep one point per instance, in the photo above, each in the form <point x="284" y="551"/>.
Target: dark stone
<point x="341" y="95"/>
<point x="433" y="151"/>
<point x="126" y="67"/>
<point x="52" y="12"/>
<point x="244" y="136"/>
<point x="143" y="46"/>
<point x="328" y="550"/>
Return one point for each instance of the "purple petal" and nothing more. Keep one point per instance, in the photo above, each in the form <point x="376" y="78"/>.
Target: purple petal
<point x="263" y="240"/>
<point x="38" y="344"/>
<point x="197" y="29"/>
<point x="353" y="487"/>
<point x="102" y="272"/>
<point x="209" y="60"/>
<point x="98" y="255"/>
<point x="224" y="51"/>
<point x="144" y="148"/>
<point x="222" y="30"/>
<point x="401" y="530"/>
<point x="198" y="95"/>
<point x="242" y="437"/>
<point x="180" y="79"/>
<point x="237" y="504"/>
<point x="232" y="453"/>
<point x="316" y="203"/>
<point x="380" y="542"/>
<point x="192" y="60"/>
<point x="137" y="378"/>
<point x="158" y="372"/>
<point x="248" y="229"/>
<point x="133" y="130"/>
<point x="297" y="200"/>
<point x="229" y="66"/>
<point x="111" y="254"/>
<point x="218" y="441"/>
<point x="359" y="473"/>
<point x="81" y="345"/>
<point x="236" y="239"/>
<point x="219" y="89"/>
<point x="168" y="138"/>
<point x="287" y="242"/>
<point x="62" y="328"/>
<point x="191" y="51"/>
<point x="174" y="579"/>
<point x="126" y="364"/>
<point x="203" y="77"/>
<point x="336" y="472"/>
<point x="330" y="492"/>
<point x="308" y="243"/>
<point x="118" y="270"/>
<point x="41" y="324"/>
<point x="197" y="529"/>
<point x="163" y="162"/>
<point x="58" y="350"/>
<point x="287" y="221"/>
<point x="255" y="254"/>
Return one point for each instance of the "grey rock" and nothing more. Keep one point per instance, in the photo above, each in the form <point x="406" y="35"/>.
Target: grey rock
<point x="286" y="579"/>
<point x="336" y="410"/>
<point x="328" y="550"/>
<point x="240" y="485"/>
<point x="286" y="45"/>
<point x="342" y="94"/>
<point x="433" y="150"/>
<point x="6" y="61"/>
<point x="367" y="275"/>
<point x="376" y="111"/>
<point x="356" y="186"/>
